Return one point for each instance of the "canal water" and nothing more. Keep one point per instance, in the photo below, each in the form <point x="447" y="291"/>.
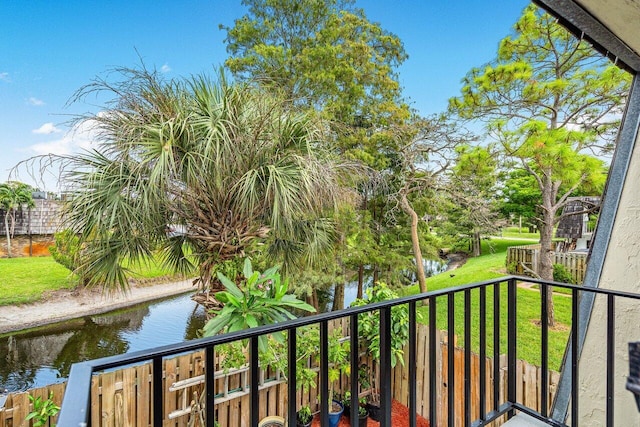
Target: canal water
<point x="44" y="356"/>
<point x="37" y="357"/>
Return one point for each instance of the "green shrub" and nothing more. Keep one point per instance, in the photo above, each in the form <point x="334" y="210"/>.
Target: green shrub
<point x="561" y="274"/>
<point x="512" y="267"/>
<point x="66" y="250"/>
<point x="369" y="323"/>
<point x="43" y="410"/>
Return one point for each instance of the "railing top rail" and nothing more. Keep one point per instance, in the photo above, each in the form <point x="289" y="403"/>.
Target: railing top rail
<point x="613" y="292"/>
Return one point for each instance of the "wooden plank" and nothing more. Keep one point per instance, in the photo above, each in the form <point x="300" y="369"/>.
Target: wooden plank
<point x="108" y="391"/>
<point x="143" y="394"/>
<point x="236" y="416"/>
<point x="184" y="397"/>
<point x="444" y="402"/>
<point x="118" y="403"/>
<point x="21" y="408"/>
<point x="530" y="387"/>
<point x="422" y="364"/>
<point x="169" y="397"/>
<point x="96" y="400"/>
<point x="129" y="396"/>
<point x="223" y="413"/>
<point x="519" y="379"/>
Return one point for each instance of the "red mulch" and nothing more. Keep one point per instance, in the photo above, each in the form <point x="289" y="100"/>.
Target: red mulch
<point x="399" y="418"/>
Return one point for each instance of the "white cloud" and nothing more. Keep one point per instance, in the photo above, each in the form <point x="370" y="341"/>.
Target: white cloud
<point x="5" y="77"/>
<point x="81" y="137"/>
<point x="165" y="68"/>
<point x="35" y="101"/>
<point x="46" y="129"/>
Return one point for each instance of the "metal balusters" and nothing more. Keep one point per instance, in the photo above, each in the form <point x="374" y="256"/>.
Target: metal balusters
<point x="433" y="396"/>
<point x="255" y="372"/>
<point x="292" y="385"/>
<point x="544" y="350"/>
<point x="157" y="391"/>
<point x="412" y="365"/>
<point x="385" y="366"/>
<point x="209" y="384"/>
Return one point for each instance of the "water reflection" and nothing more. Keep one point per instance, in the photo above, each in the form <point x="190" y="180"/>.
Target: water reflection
<point x="44" y="356"/>
<point x="408" y="277"/>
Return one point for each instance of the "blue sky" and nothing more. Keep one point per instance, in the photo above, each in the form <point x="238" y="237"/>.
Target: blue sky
<point x="49" y="49"/>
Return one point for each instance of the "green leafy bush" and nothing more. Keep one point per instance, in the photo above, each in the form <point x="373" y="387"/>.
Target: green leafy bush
<point x="43" y="410"/>
<point x="369" y="323"/>
<point x="561" y="274"/>
<point x="259" y="299"/>
<point x="66" y="250"/>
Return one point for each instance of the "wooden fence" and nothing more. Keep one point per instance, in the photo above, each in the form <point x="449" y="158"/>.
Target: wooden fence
<point x="122" y="398"/>
<point x="519" y="257"/>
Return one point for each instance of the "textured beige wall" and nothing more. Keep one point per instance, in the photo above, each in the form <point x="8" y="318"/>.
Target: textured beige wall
<point x="621" y="271"/>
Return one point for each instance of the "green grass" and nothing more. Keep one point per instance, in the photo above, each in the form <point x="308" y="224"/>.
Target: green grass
<point x="25" y="280"/>
<point x="523" y="233"/>
<point x="490" y="266"/>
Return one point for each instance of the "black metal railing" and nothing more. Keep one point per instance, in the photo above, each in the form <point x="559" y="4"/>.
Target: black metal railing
<point x="76" y="402"/>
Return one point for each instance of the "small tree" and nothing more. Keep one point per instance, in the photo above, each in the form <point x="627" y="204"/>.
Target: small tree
<point x="13" y="195"/>
<point x="551" y="100"/>
<point x="201" y="169"/>
<point x="472" y="183"/>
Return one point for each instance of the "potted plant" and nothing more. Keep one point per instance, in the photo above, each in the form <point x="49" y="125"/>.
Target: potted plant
<point x="346" y="403"/>
<point x="363" y="412"/>
<point x="335" y="412"/>
<point x="304" y="416"/>
<point x="373" y="406"/>
<point x="338" y="362"/>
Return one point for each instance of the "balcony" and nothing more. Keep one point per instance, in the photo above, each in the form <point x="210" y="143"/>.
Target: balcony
<point x="492" y="307"/>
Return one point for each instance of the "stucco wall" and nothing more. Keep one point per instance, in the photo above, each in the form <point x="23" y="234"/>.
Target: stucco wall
<point x="621" y="271"/>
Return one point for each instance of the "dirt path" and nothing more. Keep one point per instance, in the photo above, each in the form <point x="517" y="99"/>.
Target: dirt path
<point x="65" y="305"/>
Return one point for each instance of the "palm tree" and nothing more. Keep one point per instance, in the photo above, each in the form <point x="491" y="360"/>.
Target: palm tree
<point x="205" y="170"/>
<point x="13" y="195"/>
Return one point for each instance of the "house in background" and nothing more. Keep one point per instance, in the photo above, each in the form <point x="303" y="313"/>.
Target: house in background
<point x="575" y="227"/>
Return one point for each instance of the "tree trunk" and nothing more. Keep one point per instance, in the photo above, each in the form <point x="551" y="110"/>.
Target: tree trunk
<point x="545" y="264"/>
<point x="314" y="300"/>
<point x="6" y="229"/>
<point x="476" y="244"/>
<point x="360" y="281"/>
<point x="338" y="297"/>
<point x="415" y="241"/>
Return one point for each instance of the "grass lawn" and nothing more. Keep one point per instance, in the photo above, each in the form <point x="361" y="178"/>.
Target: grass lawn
<point x="523" y="233"/>
<point x="491" y="265"/>
<point x="24" y="280"/>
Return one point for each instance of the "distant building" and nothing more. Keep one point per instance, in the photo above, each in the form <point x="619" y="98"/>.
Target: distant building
<point x="575" y="228"/>
<point x="34" y="228"/>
